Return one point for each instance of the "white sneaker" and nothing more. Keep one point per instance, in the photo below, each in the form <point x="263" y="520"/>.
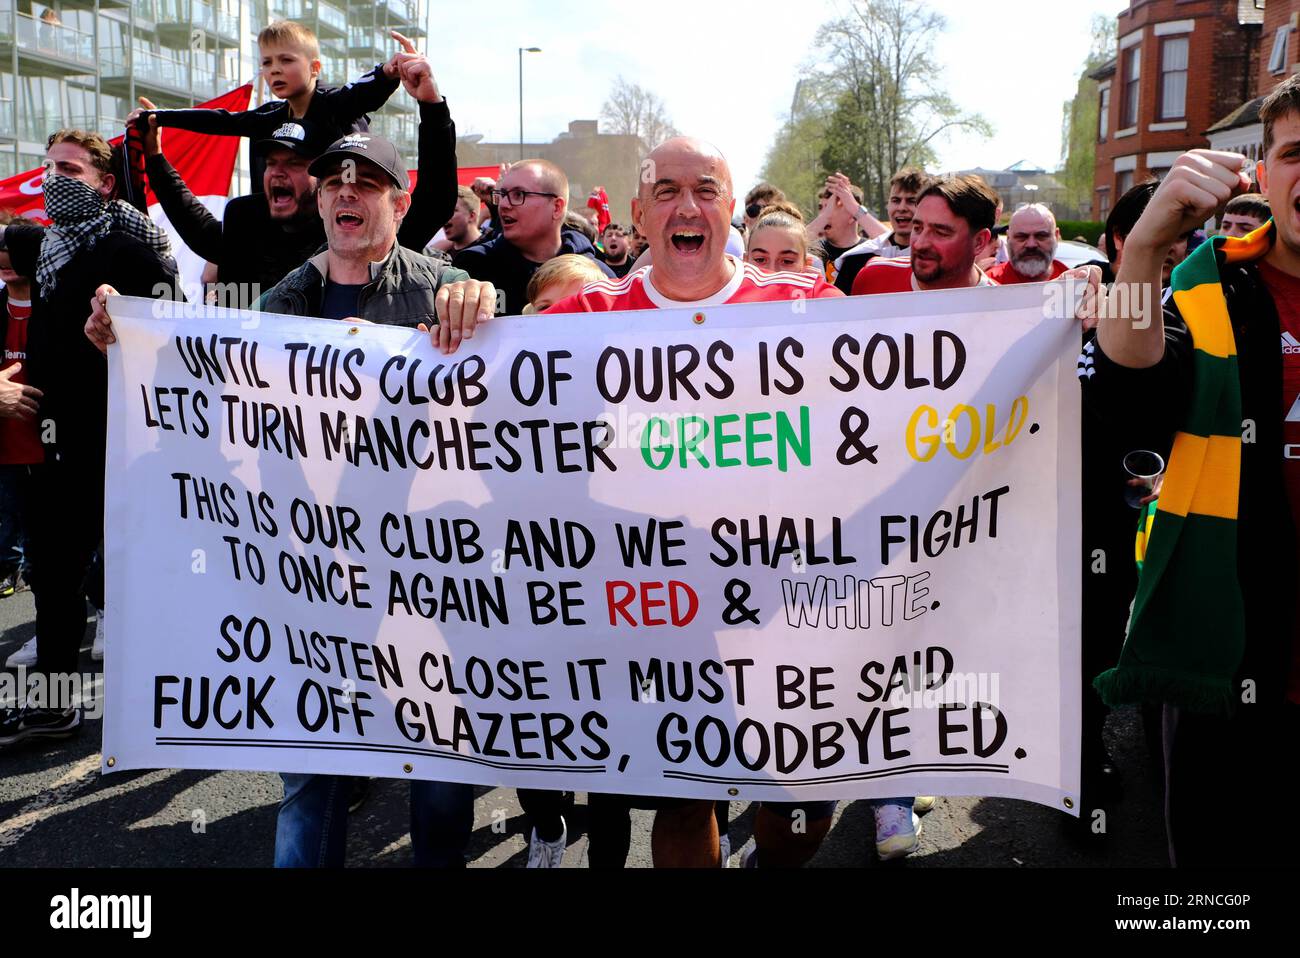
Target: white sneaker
<point x="897" y="828"/>
<point x="724" y="850"/>
<point x="547" y="854"/>
<point x="24" y="657"/>
<point x="97" y="650"/>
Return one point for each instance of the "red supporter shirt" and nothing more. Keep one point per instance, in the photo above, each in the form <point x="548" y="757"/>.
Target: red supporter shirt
<point x="893" y="276"/>
<point x="20" y="441"/>
<point x="1285" y="290"/>
<point x="748" y="284"/>
<point x="1004" y="274"/>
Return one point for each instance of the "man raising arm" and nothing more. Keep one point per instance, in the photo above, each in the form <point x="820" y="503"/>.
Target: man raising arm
<point x="1215" y="612"/>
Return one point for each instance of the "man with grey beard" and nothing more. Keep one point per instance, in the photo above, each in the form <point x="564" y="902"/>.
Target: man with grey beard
<point x="1032" y="237"/>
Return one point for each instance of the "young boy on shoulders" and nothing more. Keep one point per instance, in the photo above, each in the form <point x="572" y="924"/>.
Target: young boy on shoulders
<point x="290" y="57"/>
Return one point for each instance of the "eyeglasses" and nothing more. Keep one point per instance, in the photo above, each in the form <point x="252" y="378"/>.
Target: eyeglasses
<point x="752" y="210"/>
<point x="518" y="197"/>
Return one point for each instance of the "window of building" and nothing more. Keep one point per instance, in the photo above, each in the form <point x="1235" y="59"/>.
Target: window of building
<point x="83" y="107"/>
<point x="1103" y="115"/>
<point x="41" y="105"/>
<point x="1123" y="182"/>
<point x="1132" y="79"/>
<point x="1173" y="78"/>
<point x="1103" y="203"/>
<point x="1277" y="59"/>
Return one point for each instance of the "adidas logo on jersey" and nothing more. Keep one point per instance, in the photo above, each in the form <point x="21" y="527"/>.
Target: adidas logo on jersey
<point x="1294" y="414"/>
<point x="1290" y="345"/>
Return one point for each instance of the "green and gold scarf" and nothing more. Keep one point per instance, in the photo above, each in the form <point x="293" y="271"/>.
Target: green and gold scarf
<point x="1187" y="634"/>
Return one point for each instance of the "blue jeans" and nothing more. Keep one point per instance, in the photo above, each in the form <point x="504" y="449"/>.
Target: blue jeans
<point x="879" y="802"/>
<point x="312" y="826"/>
<point x="13" y="540"/>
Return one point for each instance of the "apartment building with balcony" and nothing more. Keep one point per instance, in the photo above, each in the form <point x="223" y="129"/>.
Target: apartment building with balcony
<point x="84" y="62"/>
<point x="354" y="36"/>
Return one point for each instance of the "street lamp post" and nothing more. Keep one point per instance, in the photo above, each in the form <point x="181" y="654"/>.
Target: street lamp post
<point x="522" y="51"/>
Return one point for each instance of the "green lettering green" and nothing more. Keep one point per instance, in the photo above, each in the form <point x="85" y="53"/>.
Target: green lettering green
<point x="786" y="439"/>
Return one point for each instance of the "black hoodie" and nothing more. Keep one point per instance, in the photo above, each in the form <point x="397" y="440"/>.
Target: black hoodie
<point x="61" y="361"/>
<point x="249" y="246"/>
<point x="498" y="262"/>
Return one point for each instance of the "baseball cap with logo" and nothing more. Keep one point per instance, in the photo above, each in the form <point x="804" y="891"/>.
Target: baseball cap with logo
<point x="298" y="135"/>
<point x="363" y="146"/>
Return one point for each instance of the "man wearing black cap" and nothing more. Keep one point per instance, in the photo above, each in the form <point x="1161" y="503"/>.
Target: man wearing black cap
<point x="366" y="273"/>
<point x="262" y="237"/>
<point x="362" y="198"/>
<point x="363" y="272"/>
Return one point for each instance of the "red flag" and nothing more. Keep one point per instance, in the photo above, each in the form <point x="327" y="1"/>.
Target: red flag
<point x="599" y="201"/>
<point x="465" y="175"/>
<point x="206" y="163"/>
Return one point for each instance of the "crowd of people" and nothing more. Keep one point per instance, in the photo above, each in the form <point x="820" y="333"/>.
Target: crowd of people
<point x="333" y="229"/>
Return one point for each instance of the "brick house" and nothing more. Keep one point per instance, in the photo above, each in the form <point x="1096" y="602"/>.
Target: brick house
<point x="1279" y="57"/>
<point x="1181" y="67"/>
<point x="588" y="157"/>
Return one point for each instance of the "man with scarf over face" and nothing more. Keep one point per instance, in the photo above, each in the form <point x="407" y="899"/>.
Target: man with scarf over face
<point x="93" y="240"/>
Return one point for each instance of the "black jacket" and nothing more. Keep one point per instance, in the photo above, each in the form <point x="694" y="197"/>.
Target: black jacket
<point x="4" y="318"/>
<point x="496" y="261"/>
<point x="334" y="111"/>
<point x="621" y="270"/>
<point x="1266" y="531"/>
<point x="249" y="247"/>
<point x="402" y="290"/>
<point x="61" y="362"/>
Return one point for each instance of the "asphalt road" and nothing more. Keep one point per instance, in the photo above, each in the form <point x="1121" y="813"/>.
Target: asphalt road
<point x="57" y="810"/>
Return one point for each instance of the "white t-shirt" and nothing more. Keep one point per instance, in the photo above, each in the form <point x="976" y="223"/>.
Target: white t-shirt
<point x="882" y="246"/>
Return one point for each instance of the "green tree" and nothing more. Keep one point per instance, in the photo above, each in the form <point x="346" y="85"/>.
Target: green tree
<point x="1080" y="118"/>
<point x="874" y="92"/>
<point x="794" y="160"/>
<point x="632" y="109"/>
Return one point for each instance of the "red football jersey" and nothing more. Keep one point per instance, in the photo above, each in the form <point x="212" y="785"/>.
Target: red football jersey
<point x="20" y="440"/>
<point x="892" y="276"/>
<point x="1285" y="290"/>
<point x="749" y="284"/>
<point x="1004" y="274"/>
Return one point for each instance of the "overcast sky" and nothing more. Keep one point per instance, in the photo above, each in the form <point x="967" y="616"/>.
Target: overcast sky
<point x="727" y="70"/>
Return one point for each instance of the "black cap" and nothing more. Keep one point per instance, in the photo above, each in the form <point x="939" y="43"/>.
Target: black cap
<point x="364" y="146"/>
<point x="297" y="135"/>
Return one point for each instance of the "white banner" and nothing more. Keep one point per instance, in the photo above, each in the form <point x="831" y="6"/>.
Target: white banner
<point x="809" y="550"/>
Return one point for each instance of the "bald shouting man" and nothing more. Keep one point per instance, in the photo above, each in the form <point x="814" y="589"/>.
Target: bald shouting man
<point x="683" y="207"/>
<point x="684" y="210"/>
<point x="531" y="199"/>
<point x="1032" y="238"/>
